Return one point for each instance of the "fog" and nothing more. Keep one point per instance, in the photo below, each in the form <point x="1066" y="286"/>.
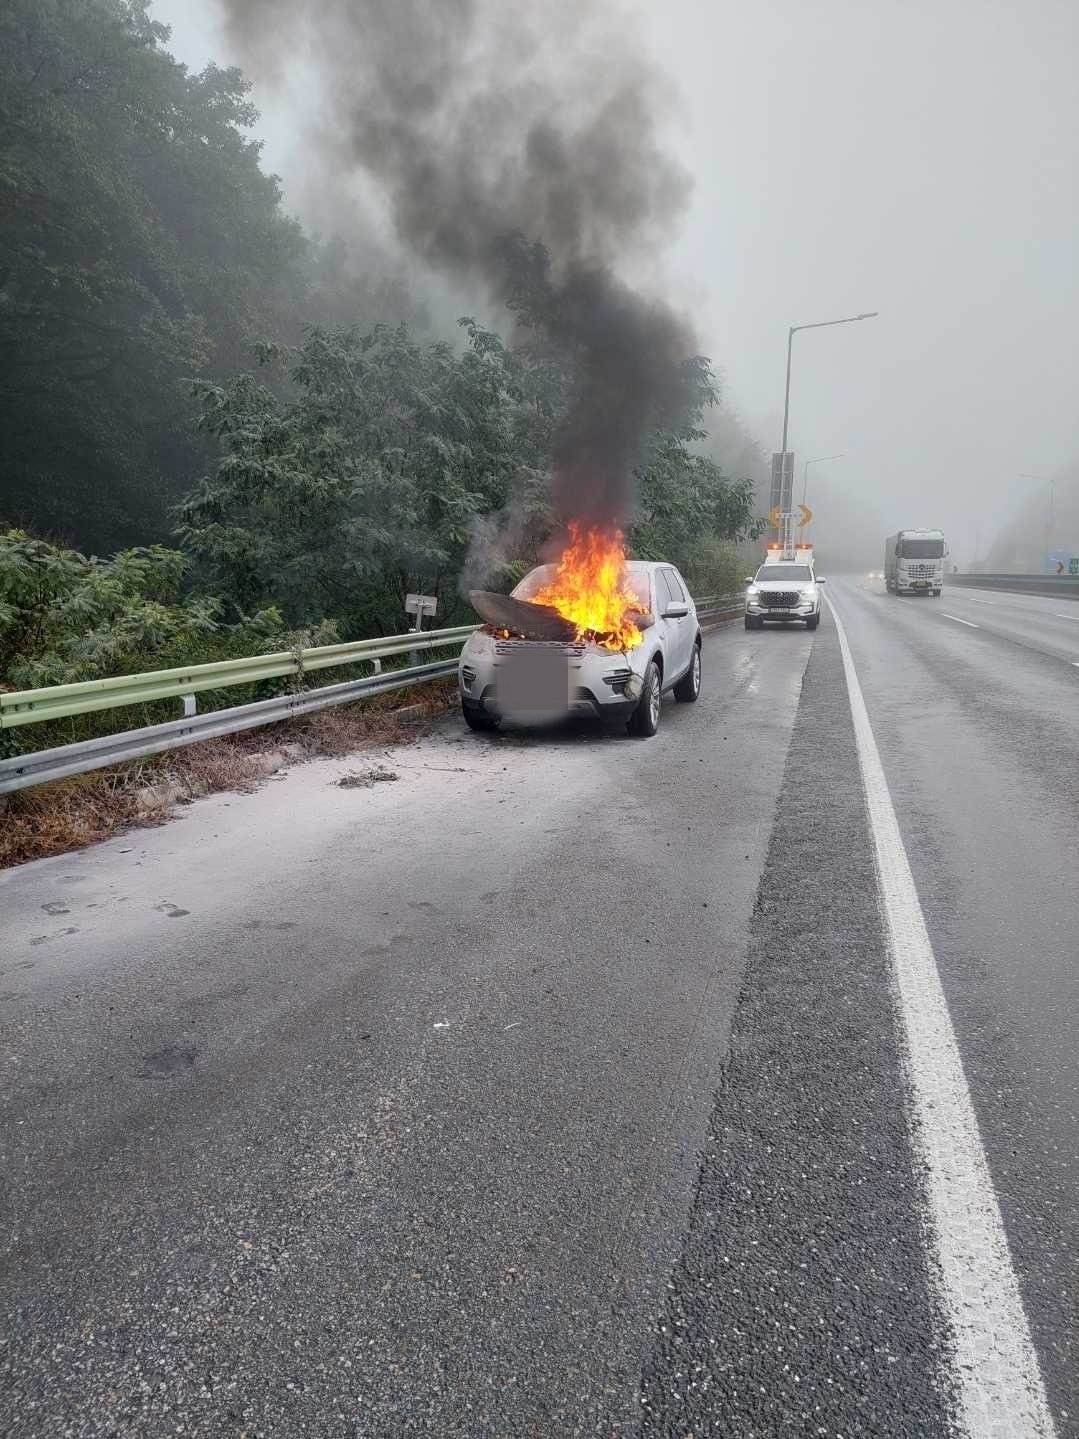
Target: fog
<point x="915" y="159"/>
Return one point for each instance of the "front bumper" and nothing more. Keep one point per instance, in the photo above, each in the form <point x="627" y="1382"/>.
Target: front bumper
<point x="793" y="612"/>
<point x="595" y="682"/>
<point x="609" y="709"/>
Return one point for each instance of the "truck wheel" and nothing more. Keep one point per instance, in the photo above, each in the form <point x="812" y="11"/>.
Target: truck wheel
<point x="689" y="686"/>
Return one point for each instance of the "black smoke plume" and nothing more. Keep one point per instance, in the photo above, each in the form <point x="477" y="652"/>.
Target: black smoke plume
<point x="488" y="124"/>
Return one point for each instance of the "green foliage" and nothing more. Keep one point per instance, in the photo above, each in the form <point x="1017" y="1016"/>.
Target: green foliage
<point x="692" y="515"/>
<point x="66" y="617"/>
<point x="368" y="482"/>
<point x="141" y="244"/>
<point x="144" y="258"/>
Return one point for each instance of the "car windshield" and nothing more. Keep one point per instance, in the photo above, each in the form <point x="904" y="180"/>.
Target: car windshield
<point x="921" y="549"/>
<point x="636" y="579"/>
<point x="768" y="573"/>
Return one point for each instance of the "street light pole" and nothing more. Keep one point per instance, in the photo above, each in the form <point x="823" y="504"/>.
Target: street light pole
<point x="817" y="325"/>
<point x="786" y="521"/>
<point x="819" y="459"/>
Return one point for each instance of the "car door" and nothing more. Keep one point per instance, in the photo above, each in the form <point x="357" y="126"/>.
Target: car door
<point x="678" y="624"/>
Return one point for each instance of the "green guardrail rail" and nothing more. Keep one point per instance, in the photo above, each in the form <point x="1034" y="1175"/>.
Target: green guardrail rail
<point x="23" y="707"/>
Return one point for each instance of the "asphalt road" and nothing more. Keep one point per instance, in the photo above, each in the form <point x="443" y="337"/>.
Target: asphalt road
<point x="556" y="1088"/>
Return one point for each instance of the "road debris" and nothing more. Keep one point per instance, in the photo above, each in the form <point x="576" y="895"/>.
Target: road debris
<point x="365" y="778"/>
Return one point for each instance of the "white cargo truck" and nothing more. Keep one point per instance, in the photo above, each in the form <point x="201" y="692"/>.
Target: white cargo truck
<point x="914" y="562"/>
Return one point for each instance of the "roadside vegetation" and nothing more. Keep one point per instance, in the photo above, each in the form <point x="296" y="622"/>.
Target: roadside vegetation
<point x="223" y="436"/>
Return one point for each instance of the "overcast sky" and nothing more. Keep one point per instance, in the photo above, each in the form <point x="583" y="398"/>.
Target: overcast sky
<point x="916" y="157"/>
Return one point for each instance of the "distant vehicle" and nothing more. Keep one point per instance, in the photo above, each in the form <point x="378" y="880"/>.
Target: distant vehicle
<point x="501" y="675"/>
<point x="785" y="588"/>
<point x="914" y="562"/>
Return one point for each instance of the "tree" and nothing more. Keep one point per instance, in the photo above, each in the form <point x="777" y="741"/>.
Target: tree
<point x="368" y="481"/>
<point x="141" y="244"/>
<point x="691" y="514"/>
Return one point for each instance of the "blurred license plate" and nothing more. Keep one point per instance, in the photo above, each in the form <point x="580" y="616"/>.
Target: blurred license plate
<point x="534" y="681"/>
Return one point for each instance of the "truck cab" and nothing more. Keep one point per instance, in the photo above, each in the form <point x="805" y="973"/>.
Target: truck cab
<point x="914" y="562"/>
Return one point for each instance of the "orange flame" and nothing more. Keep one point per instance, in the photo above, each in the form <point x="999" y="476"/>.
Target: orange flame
<point x="591" y="590"/>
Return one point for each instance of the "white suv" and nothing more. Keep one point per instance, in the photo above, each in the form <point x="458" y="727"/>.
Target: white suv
<point x="783" y="590"/>
<point x="534" y="681"/>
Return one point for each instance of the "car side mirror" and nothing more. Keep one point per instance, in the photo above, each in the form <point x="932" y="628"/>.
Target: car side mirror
<point x="748" y="580"/>
<point x="675" y="612"/>
<point x="821" y="580"/>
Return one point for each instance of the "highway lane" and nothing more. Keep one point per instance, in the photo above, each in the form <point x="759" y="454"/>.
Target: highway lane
<point x="555" y="1089"/>
<point x="1049" y="626"/>
<point x="377" y="1111"/>
<point x="979" y="734"/>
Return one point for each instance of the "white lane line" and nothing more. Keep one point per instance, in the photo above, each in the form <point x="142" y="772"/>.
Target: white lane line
<point x="969" y="623"/>
<point x="995" y="1367"/>
<point x="982" y="602"/>
<point x="1061" y="616"/>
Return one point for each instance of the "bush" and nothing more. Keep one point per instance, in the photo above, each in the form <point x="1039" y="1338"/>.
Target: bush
<point x="67" y="617"/>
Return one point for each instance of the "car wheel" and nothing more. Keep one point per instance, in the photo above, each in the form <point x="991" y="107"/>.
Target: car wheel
<point x="645" y="718"/>
<point x="813" y="621"/>
<point x="479" y="719"/>
<point x="689" y="686"/>
<point x="754" y="622"/>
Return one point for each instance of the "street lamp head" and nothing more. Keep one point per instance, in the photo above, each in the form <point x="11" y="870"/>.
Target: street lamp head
<point x="869" y="315"/>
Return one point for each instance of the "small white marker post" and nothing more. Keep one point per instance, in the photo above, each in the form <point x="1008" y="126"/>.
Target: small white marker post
<point x="419" y="605"/>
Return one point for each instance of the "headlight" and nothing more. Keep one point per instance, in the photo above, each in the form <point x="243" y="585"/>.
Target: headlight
<point x="753" y="593"/>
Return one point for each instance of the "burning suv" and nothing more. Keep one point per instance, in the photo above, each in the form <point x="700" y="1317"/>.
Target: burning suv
<point x="593" y="634"/>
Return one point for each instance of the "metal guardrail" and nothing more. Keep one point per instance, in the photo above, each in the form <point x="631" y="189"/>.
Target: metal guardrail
<point x="60" y="701"/>
<point x="21" y="771"/>
<point x="713" y="606"/>
<point x="1063" y="587"/>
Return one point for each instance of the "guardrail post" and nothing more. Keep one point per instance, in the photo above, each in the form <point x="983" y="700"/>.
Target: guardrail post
<point x="191" y="706"/>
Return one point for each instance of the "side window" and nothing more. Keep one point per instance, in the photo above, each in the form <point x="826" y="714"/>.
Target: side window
<point x="677" y="592"/>
<point x="666" y="594"/>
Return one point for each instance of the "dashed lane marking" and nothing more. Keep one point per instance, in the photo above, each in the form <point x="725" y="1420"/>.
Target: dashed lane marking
<point x="969" y="623"/>
<point x="996" y="1374"/>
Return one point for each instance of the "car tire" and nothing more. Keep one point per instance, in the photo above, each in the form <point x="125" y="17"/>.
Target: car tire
<point x="688" y="688"/>
<point x="813" y="621"/>
<point x="644" y="721"/>
<point x="754" y="622"/>
<point x="479" y="720"/>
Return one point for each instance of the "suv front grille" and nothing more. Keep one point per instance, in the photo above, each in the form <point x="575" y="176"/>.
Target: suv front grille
<point x="781" y="599"/>
<point x="507" y="647"/>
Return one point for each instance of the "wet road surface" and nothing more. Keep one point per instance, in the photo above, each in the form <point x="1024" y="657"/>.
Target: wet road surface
<point x="556" y="1088"/>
